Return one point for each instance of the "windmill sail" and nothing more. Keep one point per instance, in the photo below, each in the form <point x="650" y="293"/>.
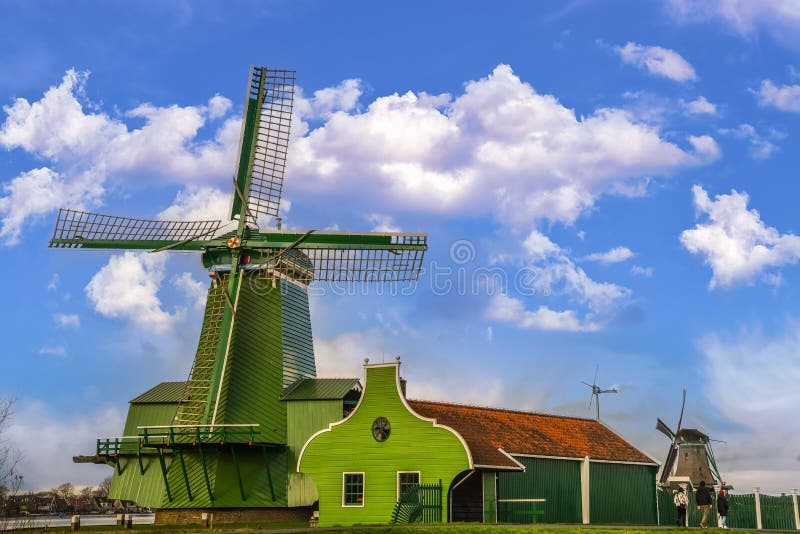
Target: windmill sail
<point x="264" y="143"/>
<point x="82" y="229"/>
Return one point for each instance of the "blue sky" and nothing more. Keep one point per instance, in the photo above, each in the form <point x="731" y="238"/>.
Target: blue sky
<point x="603" y="183"/>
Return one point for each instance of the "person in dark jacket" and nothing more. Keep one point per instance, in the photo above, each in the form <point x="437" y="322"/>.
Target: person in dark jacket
<point x="722" y="508"/>
<point x="704" y="501"/>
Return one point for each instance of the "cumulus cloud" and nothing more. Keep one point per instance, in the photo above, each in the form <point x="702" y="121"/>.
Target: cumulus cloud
<point x="512" y="310"/>
<point x="615" y="255"/>
<point x="85" y="147"/>
<point x="499" y="148"/>
<point x="785" y="97"/>
<point x="700" y="106"/>
<point x="198" y="203"/>
<point x="759" y="146"/>
<point x="657" y="61"/>
<point x="127" y="288"/>
<point x="343" y="356"/>
<point x="329" y="100"/>
<point x="735" y="242"/>
<point x="768" y="369"/>
<point x="552" y="273"/>
<point x="67" y="320"/>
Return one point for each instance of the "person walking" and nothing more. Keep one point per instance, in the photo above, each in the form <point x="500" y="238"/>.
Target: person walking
<point x="722" y="508"/>
<point x="704" y="501"/>
<point x="680" y="506"/>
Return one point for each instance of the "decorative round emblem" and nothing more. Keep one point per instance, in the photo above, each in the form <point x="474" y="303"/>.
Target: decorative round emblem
<point x="234" y="242"/>
<point x="381" y="429"/>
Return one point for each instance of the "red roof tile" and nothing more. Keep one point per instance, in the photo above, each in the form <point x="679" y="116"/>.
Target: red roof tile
<point x="488" y="429"/>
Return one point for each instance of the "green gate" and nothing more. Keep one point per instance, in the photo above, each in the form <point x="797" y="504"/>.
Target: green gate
<point x="622" y="494"/>
<point x="420" y="503"/>
<point x="742" y="511"/>
<point x="558" y="482"/>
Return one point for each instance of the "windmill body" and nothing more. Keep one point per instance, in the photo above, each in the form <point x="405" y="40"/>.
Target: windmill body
<point x="226" y="443"/>
<point x="690" y="458"/>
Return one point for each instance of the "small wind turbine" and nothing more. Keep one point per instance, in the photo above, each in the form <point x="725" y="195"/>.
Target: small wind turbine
<point x="597" y="391"/>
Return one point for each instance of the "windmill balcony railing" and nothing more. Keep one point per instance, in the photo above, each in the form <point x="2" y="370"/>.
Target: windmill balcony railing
<point x="118" y="445"/>
<point x="192" y="435"/>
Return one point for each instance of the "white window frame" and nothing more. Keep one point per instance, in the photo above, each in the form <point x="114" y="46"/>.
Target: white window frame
<point x="363" y="489"/>
<point x="419" y="479"/>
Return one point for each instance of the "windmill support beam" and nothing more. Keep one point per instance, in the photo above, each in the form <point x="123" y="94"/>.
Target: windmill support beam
<point x="205" y="472"/>
<point x="238" y="472"/>
<point x="269" y="473"/>
<point x="185" y="475"/>
<point x="164" y="473"/>
<point x="141" y="465"/>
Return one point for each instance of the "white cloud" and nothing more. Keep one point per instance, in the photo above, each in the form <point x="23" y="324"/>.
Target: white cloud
<point x="657" y="61"/>
<point x="489" y="334"/>
<point x="198" y="203"/>
<point x="127" y="288"/>
<point x="550" y="272"/>
<point x="780" y="17"/>
<point x="343" y="356"/>
<point x="512" y="310"/>
<point x="85" y="147"/>
<point x="768" y="370"/>
<point x="700" y="106"/>
<point x="760" y="147"/>
<point x="638" y="270"/>
<point x="539" y="247"/>
<point x="735" y="242"/>
<point x="50" y="350"/>
<point x="785" y="97"/>
<point x="329" y="100"/>
<point x="196" y="291"/>
<point x="36" y="193"/>
<point x="615" y="255"/>
<point x="40" y="431"/>
<point x="499" y="148"/>
<point x="67" y="320"/>
<point x="382" y="223"/>
<point x="55" y="280"/>
<point x="218" y="106"/>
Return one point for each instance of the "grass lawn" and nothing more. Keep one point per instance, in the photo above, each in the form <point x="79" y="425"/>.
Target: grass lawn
<point x="457" y="528"/>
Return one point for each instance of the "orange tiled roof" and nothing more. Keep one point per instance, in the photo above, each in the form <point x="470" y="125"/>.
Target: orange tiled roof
<point x="488" y="429"/>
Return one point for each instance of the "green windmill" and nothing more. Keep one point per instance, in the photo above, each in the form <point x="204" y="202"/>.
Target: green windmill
<point x="222" y="439"/>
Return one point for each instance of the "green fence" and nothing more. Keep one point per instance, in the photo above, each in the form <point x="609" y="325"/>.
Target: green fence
<point x="777" y="512"/>
<point x="420" y="503"/>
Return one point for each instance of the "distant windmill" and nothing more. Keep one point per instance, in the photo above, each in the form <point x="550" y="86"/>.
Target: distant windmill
<point x="689" y="453"/>
<point x="597" y="391"/>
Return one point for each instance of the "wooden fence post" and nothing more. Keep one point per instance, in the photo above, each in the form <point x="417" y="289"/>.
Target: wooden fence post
<point x="585" y="501"/>
<point x="756" y="494"/>
<point x="796" y="513"/>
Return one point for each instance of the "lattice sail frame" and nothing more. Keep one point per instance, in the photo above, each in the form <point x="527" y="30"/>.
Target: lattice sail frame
<point x="318" y="263"/>
<point x="273" y="92"/>
<point x="73" y="227"/>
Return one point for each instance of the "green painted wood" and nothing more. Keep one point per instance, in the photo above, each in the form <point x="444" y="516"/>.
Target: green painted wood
<point x="777" y="512"/>
<point x="489" y="497"/>
<point x="557" y="481"/>
<point x="622" y="494"/>
<point x="414" y="444"/>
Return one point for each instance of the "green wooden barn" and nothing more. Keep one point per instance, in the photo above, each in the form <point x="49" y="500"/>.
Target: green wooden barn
<point x="473" y="464"/>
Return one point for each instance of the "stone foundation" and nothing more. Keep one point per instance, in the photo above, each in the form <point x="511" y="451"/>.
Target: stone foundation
<point x="193" y="516"/>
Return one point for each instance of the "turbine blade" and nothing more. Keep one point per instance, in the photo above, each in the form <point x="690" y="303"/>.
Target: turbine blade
<point x="596" y="370"/>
